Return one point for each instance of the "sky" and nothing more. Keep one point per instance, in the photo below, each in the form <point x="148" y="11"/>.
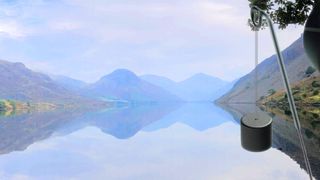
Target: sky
<point x="88" y="39"/>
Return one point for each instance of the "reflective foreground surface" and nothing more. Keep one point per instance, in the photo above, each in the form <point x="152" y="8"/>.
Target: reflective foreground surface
<point x="188" y="141"/>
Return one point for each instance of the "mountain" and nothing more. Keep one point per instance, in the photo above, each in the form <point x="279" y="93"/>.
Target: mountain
<point x="160" y="81"/>
<point x="20" y="83"/>
<point x="68" y="83"/>
<point x="223" y="90"/>
<point x="269" y="78"/>
<point x="123" y="84"/>
<point x="30" y="89"/>
<point x="199" y="87"/>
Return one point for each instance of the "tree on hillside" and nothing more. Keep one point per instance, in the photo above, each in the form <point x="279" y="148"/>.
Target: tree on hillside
<point x="285" y="12"/>
<point x="271" y="92"/>
<point x="310" y="70"/>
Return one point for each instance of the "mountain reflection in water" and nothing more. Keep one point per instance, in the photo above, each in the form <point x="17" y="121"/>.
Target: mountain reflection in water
<point x="156" y="141"/>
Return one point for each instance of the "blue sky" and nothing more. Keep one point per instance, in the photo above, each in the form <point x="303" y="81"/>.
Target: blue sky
<point x="88" y="39"/>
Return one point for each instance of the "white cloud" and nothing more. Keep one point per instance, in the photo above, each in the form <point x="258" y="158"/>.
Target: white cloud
<point x="65" y="25"/>
<point x="144" y="36"/>
<point x="154" y="20"/>
<point x="12" y="29"/>
<point x="218" y="14"/>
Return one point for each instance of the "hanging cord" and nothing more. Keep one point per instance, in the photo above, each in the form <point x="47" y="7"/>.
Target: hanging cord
<point x="256" y="69"/>
<point x="256" y="17"/>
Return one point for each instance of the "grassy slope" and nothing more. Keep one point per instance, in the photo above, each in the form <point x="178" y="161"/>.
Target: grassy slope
<point x="307" y="98"/>
<point x="305" y="92"/>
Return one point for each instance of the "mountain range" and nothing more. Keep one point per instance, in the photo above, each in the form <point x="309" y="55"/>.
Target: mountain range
<point x="20" y="83"/>
<point x="269" y="78"/>
<point x="199" y="87"/>
<point x="123" y="84"/>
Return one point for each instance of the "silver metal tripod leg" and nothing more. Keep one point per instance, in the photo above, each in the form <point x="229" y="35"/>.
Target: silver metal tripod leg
<point x="256" y="16"/>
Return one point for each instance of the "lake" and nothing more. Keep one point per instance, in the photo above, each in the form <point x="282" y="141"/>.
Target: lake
<point x="155" y="141"/>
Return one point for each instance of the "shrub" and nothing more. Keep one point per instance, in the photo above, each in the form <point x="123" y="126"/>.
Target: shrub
<point x="296" y="88"/>
<point x="297" y="98"/>
<point x="314" y="124"/>
<point x="295" y="92"/>
<point x="271" y="91"/>
<point x="308" y="133"/>
<point x="310" y="70"/>
<point x="315" y="84"/>
<point x="287" y="112"/>
<point x="316" y="92"/>
<point x="262" y="97"/>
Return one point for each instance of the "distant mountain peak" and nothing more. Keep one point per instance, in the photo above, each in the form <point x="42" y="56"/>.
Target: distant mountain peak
<point x="202" y="77"/>
<point x="199" y="87"/>
<point x="122" y="76"/>
<point x="126" y="85"/>
<point x="123" y="72"/>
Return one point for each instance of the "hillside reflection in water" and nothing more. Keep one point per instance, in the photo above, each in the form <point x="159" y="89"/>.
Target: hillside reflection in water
<point x="169" y="141"/>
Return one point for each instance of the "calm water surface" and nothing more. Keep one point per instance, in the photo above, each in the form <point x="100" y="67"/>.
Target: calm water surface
<point x="189" y="141"/>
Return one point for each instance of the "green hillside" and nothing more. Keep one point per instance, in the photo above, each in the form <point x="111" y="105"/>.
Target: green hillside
<point x="305" y="92"/>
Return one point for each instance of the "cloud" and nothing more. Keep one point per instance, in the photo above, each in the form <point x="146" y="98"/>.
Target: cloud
<point x="64" y="25"/>
<point x="142" y="21"/>
<point x="218" y="14"/>
<point x="11" y="29"/>
<point x="75" y="37"/>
